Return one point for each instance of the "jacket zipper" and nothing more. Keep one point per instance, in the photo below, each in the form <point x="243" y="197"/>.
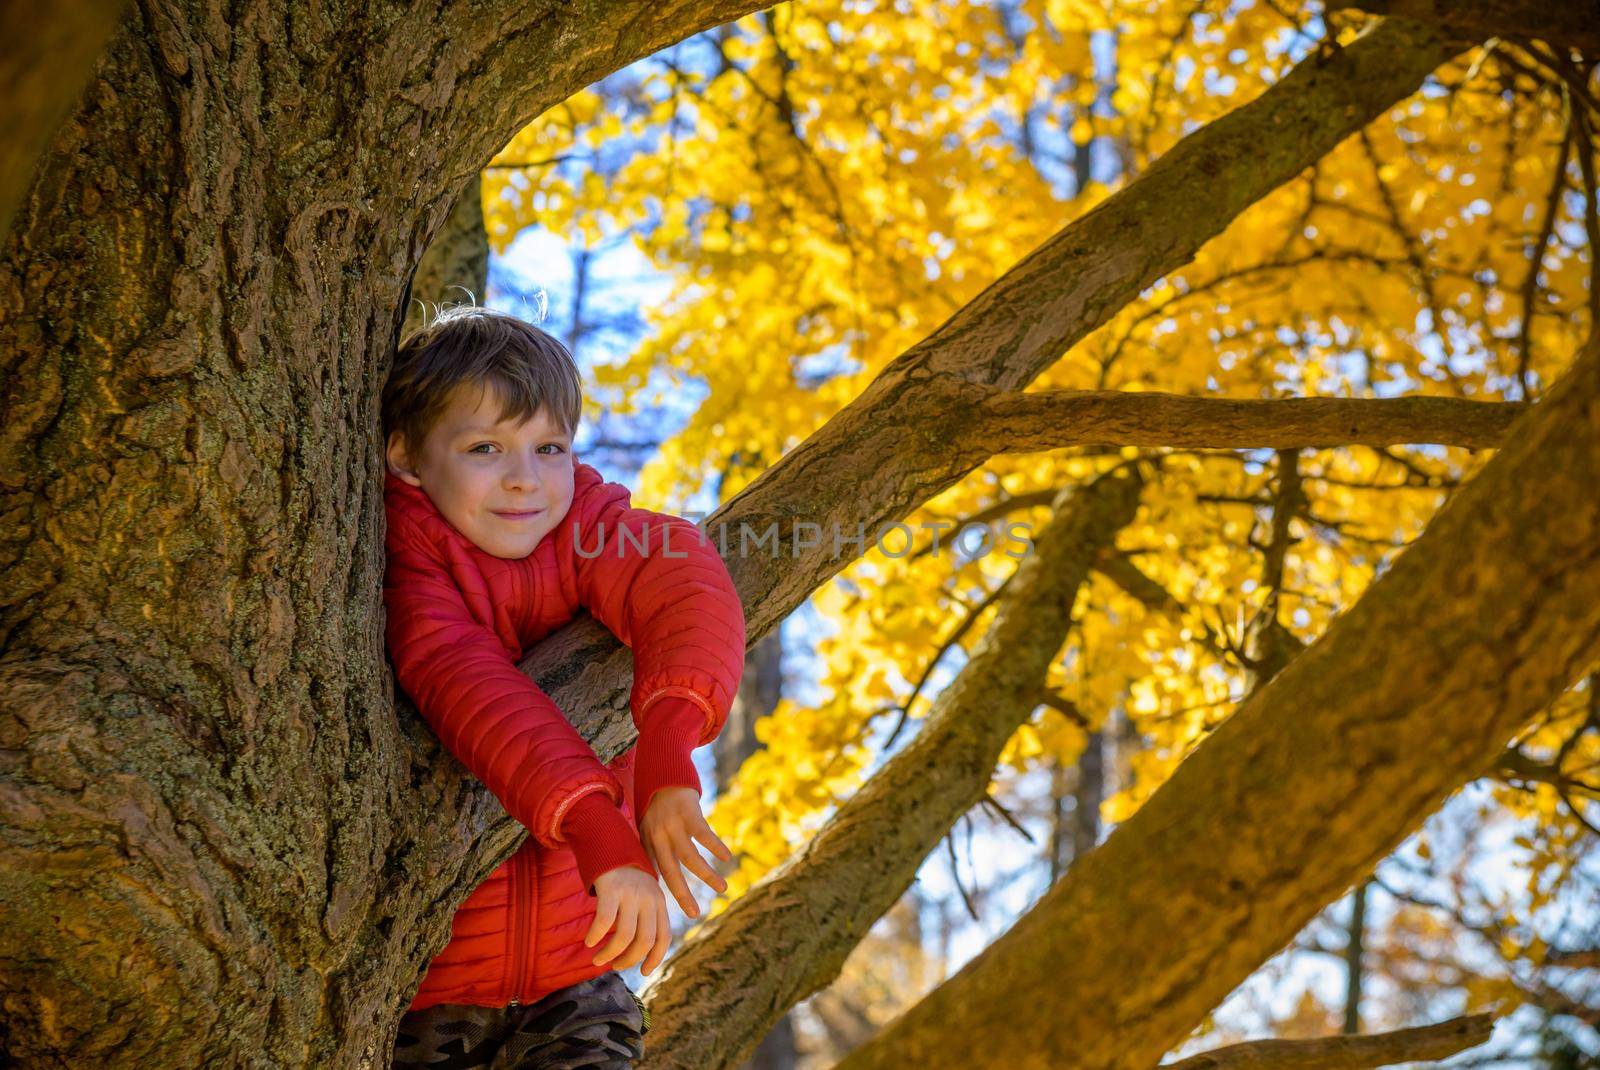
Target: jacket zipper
<point x="520" y="906"/>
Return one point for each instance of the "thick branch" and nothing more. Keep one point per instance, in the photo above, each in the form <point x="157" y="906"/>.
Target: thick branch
<point x="1031" y="422"/>
<point x="789" y="935"/>
<point x="1571" y="23"/>
<point x="1476" y="628"/>
<point x="1438" y="1041"/>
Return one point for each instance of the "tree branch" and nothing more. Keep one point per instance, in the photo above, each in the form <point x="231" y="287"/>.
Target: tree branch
<point x="1514" y="766"/>
<point x="908" y="436"/>
<point x="474" y="74"/>
<point x="1571" y="24"/>
<point x="1438" y="1041"/>
<point x="1035" y="421"/>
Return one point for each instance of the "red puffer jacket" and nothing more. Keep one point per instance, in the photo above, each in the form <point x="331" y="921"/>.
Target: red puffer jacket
<point x="458" y="621"/>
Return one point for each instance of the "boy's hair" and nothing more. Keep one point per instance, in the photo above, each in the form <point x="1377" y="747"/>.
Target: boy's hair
<point x="471" y="346"/>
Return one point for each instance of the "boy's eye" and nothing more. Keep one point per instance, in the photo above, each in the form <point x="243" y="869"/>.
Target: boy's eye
<point x="556" y="447"/>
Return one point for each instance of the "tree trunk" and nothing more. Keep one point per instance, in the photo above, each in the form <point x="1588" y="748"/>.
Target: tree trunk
<point x="788" y="935"/>
<point x="582" y="270"/>
<point x="1074" y="834"/>
<point x="1318" y="775"/>
<point x="760" y="688"/>
<point x="778" y="1050"/>
<point x="1356" y="940"/>
<point x="1056" y="852"/>
<point x="1088" y="795"/>
<point x="217" y="844"/>
<point x="1267" y="643"/>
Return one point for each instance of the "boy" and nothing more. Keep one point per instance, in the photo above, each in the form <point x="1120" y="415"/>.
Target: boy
<point x="496" y="536"/>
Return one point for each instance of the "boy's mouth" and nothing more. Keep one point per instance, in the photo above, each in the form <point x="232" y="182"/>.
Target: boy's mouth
<point x="514" y="515"/>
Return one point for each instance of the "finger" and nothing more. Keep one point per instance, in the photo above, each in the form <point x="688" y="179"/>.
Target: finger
<point x="627" y="921"/>
<point x="708" y="836"/>
<point x="621" y="937"/>
<point x="673" y="875"/>
<point x="663" y="939"/>
<point x="644" y="939"/>
<point x="696" y="863"/>
<point x="605" y="913"/>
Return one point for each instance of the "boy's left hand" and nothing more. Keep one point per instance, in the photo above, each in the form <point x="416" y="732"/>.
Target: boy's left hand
<point x="671" y="823"/>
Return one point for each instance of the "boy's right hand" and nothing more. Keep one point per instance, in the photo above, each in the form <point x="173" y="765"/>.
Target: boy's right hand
<point x="631" y="899"/>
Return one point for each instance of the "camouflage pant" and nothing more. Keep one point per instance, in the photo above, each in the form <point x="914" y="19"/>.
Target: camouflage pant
<point x="596" y="1024"/>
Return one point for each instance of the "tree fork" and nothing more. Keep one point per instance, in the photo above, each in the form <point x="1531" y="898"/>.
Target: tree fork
<point x="921" y="425"/>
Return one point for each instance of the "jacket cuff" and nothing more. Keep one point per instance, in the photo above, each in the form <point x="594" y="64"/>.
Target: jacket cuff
<point x="672" y="728"/>
<point x="601" y="839"/>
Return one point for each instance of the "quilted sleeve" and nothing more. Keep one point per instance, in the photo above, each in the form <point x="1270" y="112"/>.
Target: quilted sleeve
<point x="659" y="585"/>
<point x="491" y="716"/>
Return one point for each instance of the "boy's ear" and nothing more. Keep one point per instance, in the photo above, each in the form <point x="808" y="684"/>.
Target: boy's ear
<point x="399" y="459"/>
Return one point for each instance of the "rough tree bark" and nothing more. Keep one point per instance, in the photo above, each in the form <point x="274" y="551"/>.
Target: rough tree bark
<point x="217" y="844"/>
<point x="789" y="935"/>
<point x="1317" y="776"/>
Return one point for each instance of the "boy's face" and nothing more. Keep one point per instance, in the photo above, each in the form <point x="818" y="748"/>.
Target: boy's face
<point x="478" y="473"/>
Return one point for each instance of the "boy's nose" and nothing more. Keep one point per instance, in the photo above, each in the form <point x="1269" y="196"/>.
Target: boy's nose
<point x="521" y="474"/>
